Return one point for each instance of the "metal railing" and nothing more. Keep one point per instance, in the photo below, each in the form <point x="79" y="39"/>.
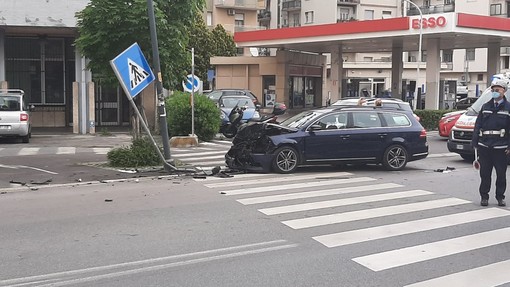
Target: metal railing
<point x="240" y="4"/>
<point x="432" y="9"/>
<point x="291" y="5"/>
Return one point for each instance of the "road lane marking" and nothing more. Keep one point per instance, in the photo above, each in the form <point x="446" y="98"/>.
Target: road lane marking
<point x="343" y="202"/>
<point x="372" y="213"/>
<point x="198" y="154"/>
<point x="240" y="175"/>
<point x="433" y="250"/>
<point x="101" y="150"/>
<point x="184" y="259"/>
<point x="495" y="274"/>
<point x="408" y="227"/>
<point x="66" y="150"/>
<point x="289" y="186"/>
<point x="29" y="151"/>
<point x="270" y="180"/>
<point x="318" y="193"/>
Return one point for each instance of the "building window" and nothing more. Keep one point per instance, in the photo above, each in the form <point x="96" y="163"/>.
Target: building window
<point x="386" y="14"/>
<point x="369" y="14"/>
<point x="309" y="17"/>
<point x="495" y="9"/>
<point x="209" y="19"/>
<point x="470" y="54"/>
<point x="447" y="56"/>
<point x="479" y="77"/>
<point x="506" y="62"/>
<point x="37" y="66"/>
<point x="240" y="51"/>
<point x="447" y="2"/>
<point x="296" y="21"/>
<point x="426" y="3"/>
<point x="239" y="19"/>
<point x="343" y="14"/>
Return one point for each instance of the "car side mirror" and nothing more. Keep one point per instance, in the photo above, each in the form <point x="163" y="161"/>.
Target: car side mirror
<point x="31" y="108"/>
<point x="315" y="127"/>
<point x="279" y="109"/>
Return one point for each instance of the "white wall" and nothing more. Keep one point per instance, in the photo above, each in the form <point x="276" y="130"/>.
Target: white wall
<point x="58" y="13"/>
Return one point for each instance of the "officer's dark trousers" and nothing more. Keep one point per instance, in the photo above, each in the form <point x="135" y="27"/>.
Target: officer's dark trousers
<point x="492" y="158"/>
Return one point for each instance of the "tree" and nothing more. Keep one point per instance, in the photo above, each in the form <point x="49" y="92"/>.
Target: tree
<point x="107" y="27"/>
<point x="207" y="44"/>
<point x="201" y="40"/>
<point x="223" y="42"/>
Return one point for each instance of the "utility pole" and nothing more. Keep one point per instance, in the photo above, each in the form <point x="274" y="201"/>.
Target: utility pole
<point x="163" y="127"/>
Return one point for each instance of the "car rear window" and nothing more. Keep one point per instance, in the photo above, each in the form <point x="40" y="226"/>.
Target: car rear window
<point x="396" y="120"/>
<point x="10" y="103"/>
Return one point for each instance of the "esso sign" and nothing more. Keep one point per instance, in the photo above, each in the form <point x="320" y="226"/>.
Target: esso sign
<point x="429" y="23"/>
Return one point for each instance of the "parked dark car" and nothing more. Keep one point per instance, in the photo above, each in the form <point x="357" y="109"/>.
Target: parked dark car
<point x="215" y="95"/>
<point x="386" y="102"/>
<point x="464" y="103"/>
<point x="387" y="136"/>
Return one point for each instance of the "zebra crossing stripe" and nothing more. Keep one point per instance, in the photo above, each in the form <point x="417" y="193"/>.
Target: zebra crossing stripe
<point x="217" y="143"/>
<point x="371" y="213"/>
<point x="242" y="175"/>
<point x="269" y="180"/>
<point x="386" y="231"/>
<point x="495" y="274"/>
<point x="29" y="151"/>
<point x="289" y="186"/>
<point x="101" y="150"/>
<point x="423" y="252"/>
<point x="201" y="159"/>
<point x="198" y="154"/>
<point x="66" y="150"/>
<point x="325" y="192"/>
<point x="342" y="202"/>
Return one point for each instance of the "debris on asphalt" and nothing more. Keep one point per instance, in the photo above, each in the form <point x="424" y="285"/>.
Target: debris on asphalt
<point x="17" y="182"/>
<point x="108" y="200"/>
<point x="49" y="180"/>
<point x="446" y="170"/>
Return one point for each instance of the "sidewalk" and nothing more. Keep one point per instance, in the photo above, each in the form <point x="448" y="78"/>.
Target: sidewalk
<point x="58" y="137"/>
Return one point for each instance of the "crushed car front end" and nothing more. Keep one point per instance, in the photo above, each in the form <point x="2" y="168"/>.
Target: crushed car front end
<point x="254" y="145"/>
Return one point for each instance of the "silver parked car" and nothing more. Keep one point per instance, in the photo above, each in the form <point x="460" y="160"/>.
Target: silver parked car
<point x="15" y="118"/>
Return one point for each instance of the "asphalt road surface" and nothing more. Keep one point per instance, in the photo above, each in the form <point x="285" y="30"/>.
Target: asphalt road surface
<point x="356" y="226"/>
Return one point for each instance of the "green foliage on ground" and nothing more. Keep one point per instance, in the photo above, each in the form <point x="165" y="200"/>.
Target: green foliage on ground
<point x="430" y="118"/>
<point x="140" y="153"/>
<point x="207" y="116"/>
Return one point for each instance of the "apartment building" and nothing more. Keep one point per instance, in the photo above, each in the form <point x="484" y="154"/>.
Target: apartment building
<point x="372" y="71"/>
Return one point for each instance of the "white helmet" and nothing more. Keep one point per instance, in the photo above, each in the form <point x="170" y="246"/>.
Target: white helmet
<point x="499" y="83"/>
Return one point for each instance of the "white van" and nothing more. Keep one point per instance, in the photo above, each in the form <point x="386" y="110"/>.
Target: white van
<point x="15" y="118"/>
<point x="459" y="140"/>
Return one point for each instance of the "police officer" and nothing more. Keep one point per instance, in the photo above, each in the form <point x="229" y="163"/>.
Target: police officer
<point x="492" y="139"/>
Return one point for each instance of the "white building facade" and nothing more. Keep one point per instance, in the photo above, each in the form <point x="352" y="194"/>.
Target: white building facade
<point x="372" y="71"/>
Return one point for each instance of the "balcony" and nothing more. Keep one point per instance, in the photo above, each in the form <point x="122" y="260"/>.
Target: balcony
<point x="347" y="2"/>
<point x="505" y="51"/>
<point x="264" y="15"/>
<point x="433" y="9"/>
<point x="240" y="4"/>
<point x="292" y="5"/>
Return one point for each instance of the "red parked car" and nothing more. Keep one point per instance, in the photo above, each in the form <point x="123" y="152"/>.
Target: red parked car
<point x="447" y="122"/>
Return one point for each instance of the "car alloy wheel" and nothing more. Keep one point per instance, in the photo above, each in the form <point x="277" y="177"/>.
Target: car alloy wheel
<point x="285" y="160"/>
<point x="395" y="157"/>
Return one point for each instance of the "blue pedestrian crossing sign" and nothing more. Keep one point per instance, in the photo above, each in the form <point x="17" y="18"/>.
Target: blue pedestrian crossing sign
<point x="132" y="70"/>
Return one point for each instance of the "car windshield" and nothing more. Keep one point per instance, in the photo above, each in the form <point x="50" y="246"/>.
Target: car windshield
<point x="300" y="119"/>
<point x="476" y="106"/>
<point x="214" y="95"/>
<point x="231" y="102"/>
<point x="10" y="103"/>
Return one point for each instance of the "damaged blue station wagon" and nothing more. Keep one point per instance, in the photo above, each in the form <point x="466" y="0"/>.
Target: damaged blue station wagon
<point x="388" y="136"/>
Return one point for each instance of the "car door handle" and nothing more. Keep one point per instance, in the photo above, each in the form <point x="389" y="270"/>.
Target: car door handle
<point x="382" y="135"/>
<point x="345" y="137"/>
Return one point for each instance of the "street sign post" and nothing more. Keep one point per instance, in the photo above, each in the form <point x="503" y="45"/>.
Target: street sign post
<point x="135" y="74"/>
